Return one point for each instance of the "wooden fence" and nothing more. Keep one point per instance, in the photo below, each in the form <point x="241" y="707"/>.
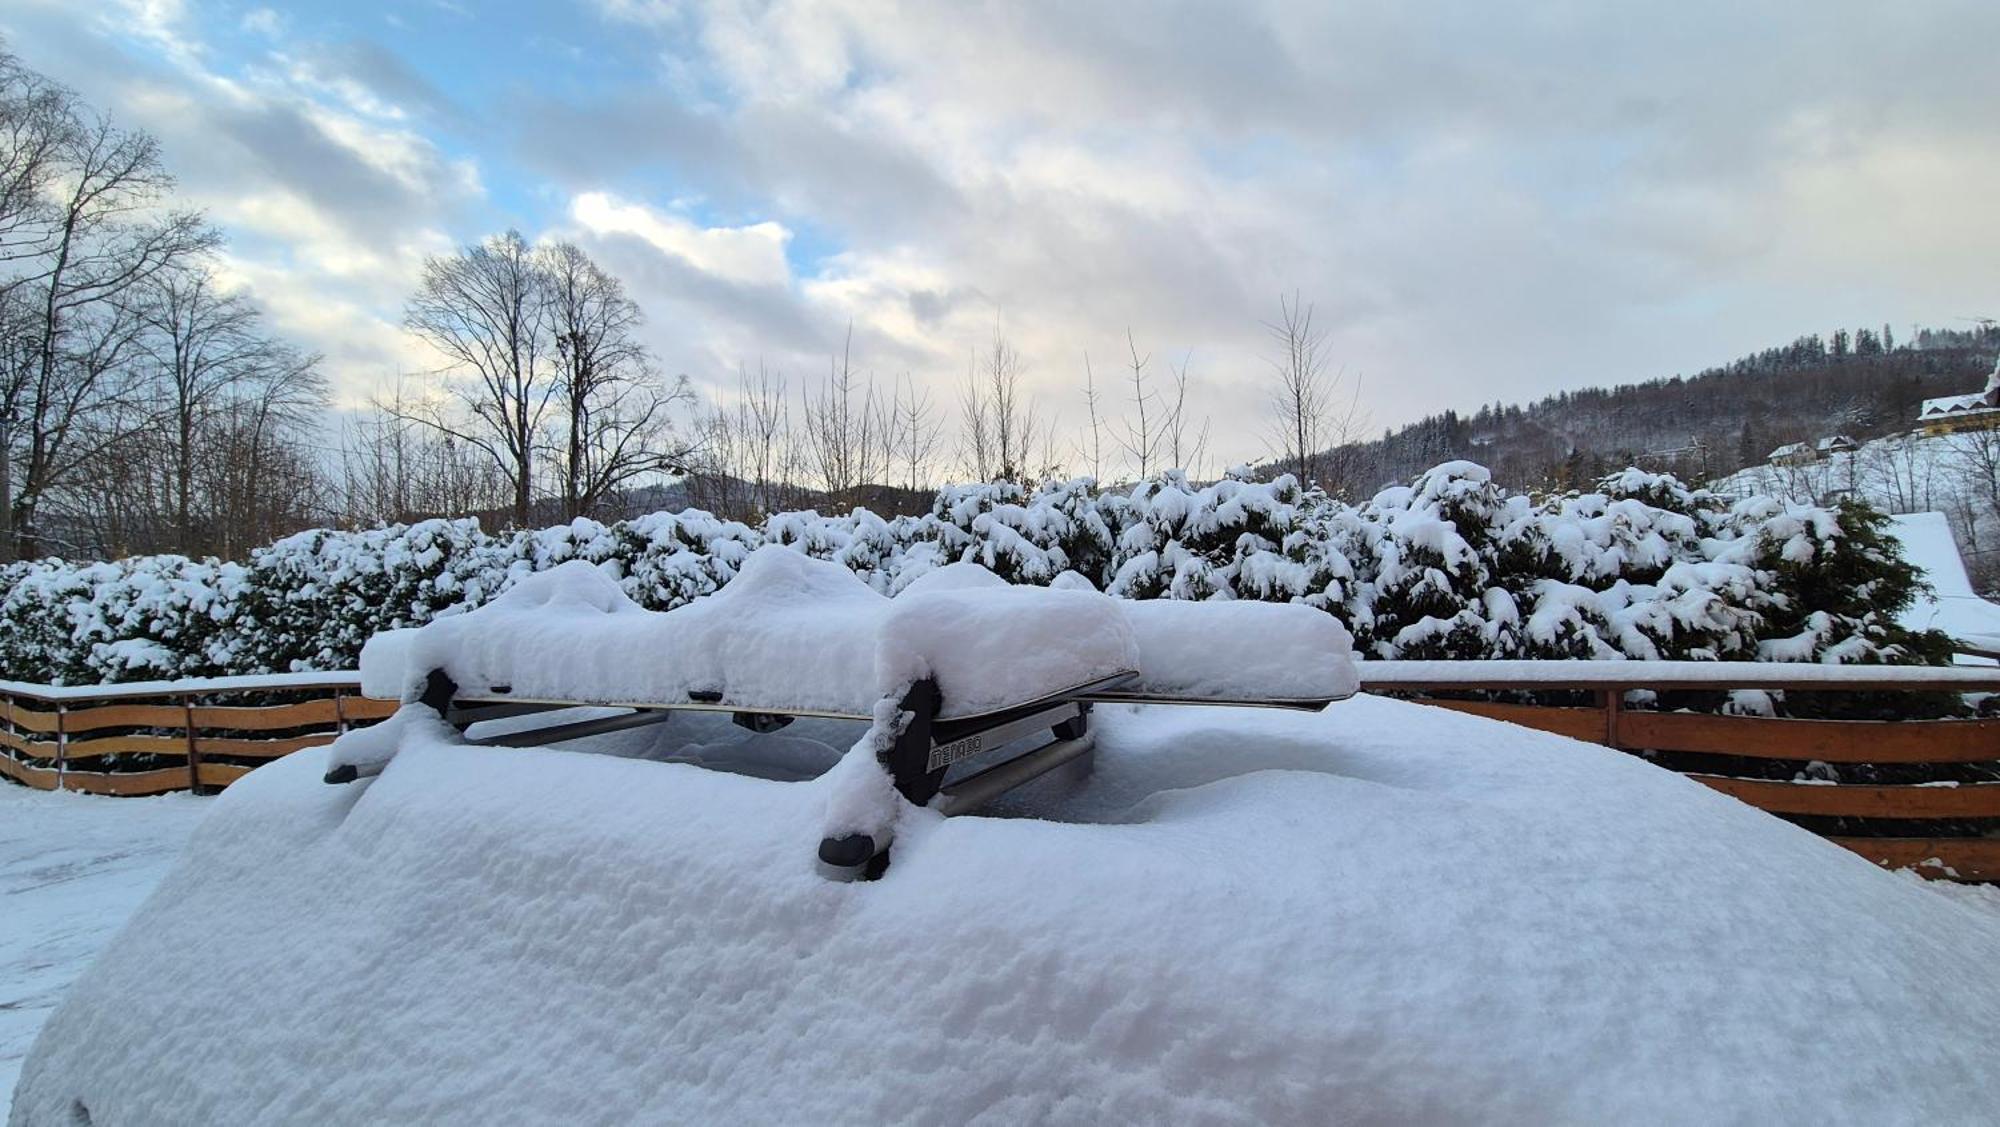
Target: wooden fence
<point x="1900" y="742"/>
<point x="155" y="737"/>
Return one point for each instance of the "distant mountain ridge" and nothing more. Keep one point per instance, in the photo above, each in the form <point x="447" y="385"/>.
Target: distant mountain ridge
<point x="1700" y="427"/>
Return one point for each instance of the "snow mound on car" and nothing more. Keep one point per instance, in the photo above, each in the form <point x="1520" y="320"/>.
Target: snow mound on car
<point x="794" y="633"/>
<point x="1380" y="913"/>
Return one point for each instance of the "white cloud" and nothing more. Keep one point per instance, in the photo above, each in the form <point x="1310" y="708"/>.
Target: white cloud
<point x="264" y="22"/>
<point x="752" y="255"/>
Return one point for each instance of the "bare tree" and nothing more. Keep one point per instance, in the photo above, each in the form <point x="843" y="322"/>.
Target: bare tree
<point x="975" y="425"/>
<point x="98" y="229"/>
<point x="259" y="473"/>
<point x="39" y="122"/>
<point x="1311" y="429"/>
<point x="617" y="412"/>
<point x="485" y="309"/>
<point x="840" y="427"/>
<point x="1012" y="415"/>
<point x="917" y="434"/>
<point x="1184" y="449"/>
<point x="398" y="470"/>
<point x="774" y="450"/>
<point x="1299" y="402"/>
<point x="1141" y="439"/>
<point x="1090" y="406"/>
<point x="216" y="382"/>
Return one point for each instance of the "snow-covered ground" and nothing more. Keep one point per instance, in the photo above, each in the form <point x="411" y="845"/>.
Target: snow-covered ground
<point x="72" y="869"/>
<point x="1378" y="913"/>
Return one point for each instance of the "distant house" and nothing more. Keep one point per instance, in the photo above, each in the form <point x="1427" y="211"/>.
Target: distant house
<point x="1950" y="413"/>
<point x="1836" y="444"/>
<point x="1793" y="454"/>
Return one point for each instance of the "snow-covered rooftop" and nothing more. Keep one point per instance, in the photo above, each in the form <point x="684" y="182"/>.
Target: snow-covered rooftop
<point x="1383" y="912"/>
<point x="1789" y="450"/>
<point x="1955" y="405"/>
<point x="1953" y="606"/>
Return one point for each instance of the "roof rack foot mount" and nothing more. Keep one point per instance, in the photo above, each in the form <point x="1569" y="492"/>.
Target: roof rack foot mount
<point x="853" y="857"/>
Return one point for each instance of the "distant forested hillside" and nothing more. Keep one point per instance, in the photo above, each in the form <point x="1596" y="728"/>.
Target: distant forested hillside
<point x="1864" y="384"/>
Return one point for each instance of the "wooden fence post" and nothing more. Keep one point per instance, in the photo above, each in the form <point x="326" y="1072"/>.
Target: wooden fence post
<point x="62" y="745"/>
<point x="1614" y="701"/>
<point x="339" y="712"/>
<point x="194" y="750"/>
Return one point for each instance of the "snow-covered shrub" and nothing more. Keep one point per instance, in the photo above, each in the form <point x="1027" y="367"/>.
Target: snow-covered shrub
<point x="1234" y="539"/>
<point x="1830" y="584"/>
<point x="1449" y="566"/>
<point x="1021" y="536"/>
<point x="1432" y="545"/>
<point x="311" y="599"/>
<point x="140" y="619"/>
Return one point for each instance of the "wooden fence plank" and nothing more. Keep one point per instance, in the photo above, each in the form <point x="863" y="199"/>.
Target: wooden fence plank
<point x="260" y="749"/>
<point x="368" y="708"/>
<point x="221" y="774"/>
<point x="124" y="716"/>
<point x="1969" y="858"/>
<point x="1587" y="724"/>
<point x="1833" y="741"/>
<point x="175" y="746"/>
<point x="34" y="749"/>
<point x="240" y="718"/>
<point x="40" y="778"/>
<point x="34" y="719"/>
<point x="126" y="784"/>
<point x="1851" y="800"/>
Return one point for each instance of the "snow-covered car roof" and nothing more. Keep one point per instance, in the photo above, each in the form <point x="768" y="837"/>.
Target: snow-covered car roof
<point x="1382" y="912"/>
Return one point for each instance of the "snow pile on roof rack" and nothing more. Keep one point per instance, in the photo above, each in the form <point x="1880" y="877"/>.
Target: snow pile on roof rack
<point x="789" y="632"/>
<point x="1380" y="913"/>
<point x="792" y="632"/>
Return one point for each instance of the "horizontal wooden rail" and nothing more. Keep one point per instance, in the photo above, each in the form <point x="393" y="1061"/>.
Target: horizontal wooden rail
<point x="1756" y="737"/>
<point x="257" y="749"/>
<point x="1586" y="724"/>
<point x="78" y="720"/>
<point x="1544" y="676"/>
<point x="1832" y="741"/>
<point x="1966" y="859"/>
<point x="1855" y="800"/>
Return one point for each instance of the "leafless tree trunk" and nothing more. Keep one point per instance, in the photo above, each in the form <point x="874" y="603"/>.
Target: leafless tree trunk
<point x="207" y="358"/>
<point x="617" y="409"/>
<point x="1141" y="439"/>
<point x="975" y="426"/>
<point x="397" y="470"/>
<point x="1012" y="415"/>
<point x="840" y="428"/>
<point x="1184" y="450"/>
<point x="486" y="310"/>
<point x="1090" y="402"/>
<point x="1310" y="428"/>
<point x="1299" y="401"/>
<point x="916" y="433"/>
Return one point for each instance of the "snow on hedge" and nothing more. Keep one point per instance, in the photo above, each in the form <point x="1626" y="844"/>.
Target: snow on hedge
<point x="1449" y="566"/>
<point x="1381" y="913"/>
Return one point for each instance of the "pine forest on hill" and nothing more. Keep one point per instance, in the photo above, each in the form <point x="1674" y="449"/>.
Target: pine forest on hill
<point x="1701" y="427"/>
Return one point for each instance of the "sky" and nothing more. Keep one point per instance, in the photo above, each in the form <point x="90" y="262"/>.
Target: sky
<point x="1481" y="202"/>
